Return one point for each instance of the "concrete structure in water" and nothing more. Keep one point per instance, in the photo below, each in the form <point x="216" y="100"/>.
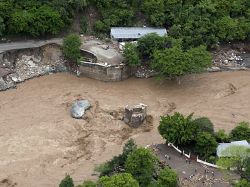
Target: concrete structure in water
<point x="135" y="115"/>
<point x="102" y="63"/>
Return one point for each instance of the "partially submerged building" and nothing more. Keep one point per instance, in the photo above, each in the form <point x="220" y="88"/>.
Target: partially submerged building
<point x="134" y="33"/>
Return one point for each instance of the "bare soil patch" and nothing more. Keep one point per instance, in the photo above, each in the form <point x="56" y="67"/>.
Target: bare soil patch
<point x="40" y="142"/>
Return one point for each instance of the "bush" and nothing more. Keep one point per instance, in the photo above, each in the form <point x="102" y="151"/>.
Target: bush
<point x="88" y="184"/>
<point x="205" y="145"/>
<point x="131" y="55"/>
<point x="242" y="183"/>
<point x="140" y="163"/>
<point x="67" y="182"/>
<point x="177" y="129"/>
<point x="167" y="177"/>
<point x="71" y="47"/>
<point x="241" y="132"/>
<point x="221" y="136"/>
<point x="204" y="124"/>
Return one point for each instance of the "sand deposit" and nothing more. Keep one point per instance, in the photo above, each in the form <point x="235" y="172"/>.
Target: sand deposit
<point x="40" y="142"/>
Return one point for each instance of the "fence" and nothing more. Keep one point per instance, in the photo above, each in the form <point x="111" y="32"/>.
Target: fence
<point x="189" y="155"/>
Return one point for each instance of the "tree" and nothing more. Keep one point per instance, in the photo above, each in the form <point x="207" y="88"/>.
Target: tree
<point x="177" y="129"/>
<point x="154" y="10"/>
<point x="174" y="62"/>
<point x="149" y="43"/>
<point x="140" y="163"/>
<point x="204" y="124"/>
<point x="205" y="145"/>
<point x="131" y="55"/>
<point x="221" y="136"/>
<point x="67" y="182"/>
<point x="167" y="177"/>
<point x="241" y="132"/>
<point x="118" y="180"/>
<point x="71" y="47"/>
<point x="200" y="59"/>
<point x="117" y="164"/>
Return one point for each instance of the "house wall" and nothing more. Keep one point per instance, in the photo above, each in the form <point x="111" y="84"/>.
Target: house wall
<point x="105" y="73"/>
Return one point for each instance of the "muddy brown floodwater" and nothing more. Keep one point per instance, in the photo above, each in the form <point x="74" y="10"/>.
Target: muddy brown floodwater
<point x="40" y="142"/>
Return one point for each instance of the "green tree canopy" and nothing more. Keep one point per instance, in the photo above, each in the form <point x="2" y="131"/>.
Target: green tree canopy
<point x="177" y="129"/>
<point x="205" y="145"/>
<point x="241" y="132"/>
<point x="118" y="180"/>
<point x="149" y="43"/>
<point x="140" y="163"/>
<point x="167" y="177"/>
<point x="204" y="124"/>
<point x="221" y="136"/>
<point x="117" y="164"/>
<point x="174" y="62"/>
<point x="67" y="182"/>
<point x="155" y="11"/>
<point x="71" y="47"/>
<point x="131" y="55"/>
<point x="242" y="183"/>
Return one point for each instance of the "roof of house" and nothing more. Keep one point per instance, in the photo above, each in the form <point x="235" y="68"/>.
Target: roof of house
<point x="223" y="146"/>
<point x="135" y="32"/>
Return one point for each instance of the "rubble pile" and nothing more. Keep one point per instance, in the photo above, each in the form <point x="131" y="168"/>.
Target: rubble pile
<point x="26" y="67"/>
<point x="135" y="115"/>
<point x="228" y="60"/>
<point x="145" y="72"/>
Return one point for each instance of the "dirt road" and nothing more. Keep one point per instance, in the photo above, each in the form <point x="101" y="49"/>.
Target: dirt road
<point x="40" y="142"/>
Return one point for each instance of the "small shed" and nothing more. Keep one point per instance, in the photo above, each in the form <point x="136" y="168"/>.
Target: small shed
<point x="224" y="146"/>
<point x="134" y="33"/>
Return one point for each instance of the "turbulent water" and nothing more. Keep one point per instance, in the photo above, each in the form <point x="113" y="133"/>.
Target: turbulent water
<point x="40" y="142"/>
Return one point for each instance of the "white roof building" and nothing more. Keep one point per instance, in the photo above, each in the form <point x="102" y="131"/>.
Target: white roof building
<point x="133" y="33"/>
<point x="223" y="149"/>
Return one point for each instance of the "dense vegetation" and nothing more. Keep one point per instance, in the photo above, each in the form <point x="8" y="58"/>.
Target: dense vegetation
<point x="133" y="168"/>
<point x="185" y="132"/>
<point x="71" y="48"/>
<point x="202" y="22"/>
<point x="167" y="56"/>
<point x="37" y="17"/>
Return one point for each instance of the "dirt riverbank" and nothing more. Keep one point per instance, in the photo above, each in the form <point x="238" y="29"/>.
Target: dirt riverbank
<point x="40" y="142"/>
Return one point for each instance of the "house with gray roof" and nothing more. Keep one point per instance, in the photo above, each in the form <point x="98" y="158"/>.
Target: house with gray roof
<point x="134" y="33"/>
<point x="228" y="149"/>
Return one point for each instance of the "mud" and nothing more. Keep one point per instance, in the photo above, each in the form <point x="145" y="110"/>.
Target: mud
<point x="40" y="142"/>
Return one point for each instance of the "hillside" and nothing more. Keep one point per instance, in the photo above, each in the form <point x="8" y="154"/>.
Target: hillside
<point x="203" y="22"/>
